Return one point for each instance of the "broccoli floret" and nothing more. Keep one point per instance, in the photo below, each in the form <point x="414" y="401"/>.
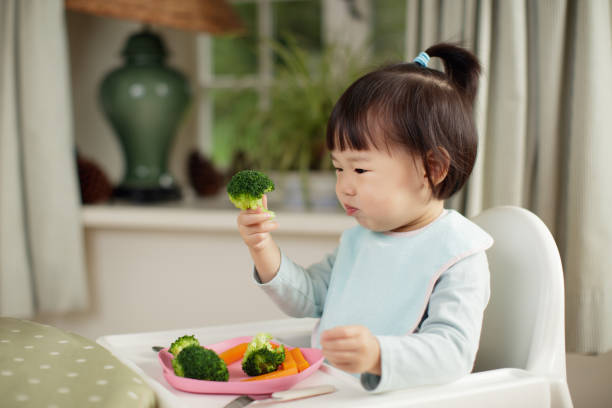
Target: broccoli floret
<point x="247" y="187"/>
<point x="181" y="343"/>
<point x="178" y="368"/>
<point x="260" y="357"/>
<point x="200" y="363"/>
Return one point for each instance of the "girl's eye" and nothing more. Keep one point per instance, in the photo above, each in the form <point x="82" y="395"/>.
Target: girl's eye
<point x="338" y="169"/>
<point x="360" y="171"/>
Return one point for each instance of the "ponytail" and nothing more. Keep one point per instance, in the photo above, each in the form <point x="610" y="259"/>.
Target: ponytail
<point x="461" y="67"/>
<point x="421" y="110"/>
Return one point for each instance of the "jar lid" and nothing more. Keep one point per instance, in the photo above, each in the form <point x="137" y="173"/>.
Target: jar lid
<point x="144" y="43"/>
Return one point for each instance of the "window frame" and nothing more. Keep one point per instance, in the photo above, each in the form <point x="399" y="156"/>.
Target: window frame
<point x="262" y="81"/>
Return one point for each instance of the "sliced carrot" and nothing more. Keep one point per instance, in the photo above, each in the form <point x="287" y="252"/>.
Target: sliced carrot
<point x="273" y="374"/>
<point x="233" y="354"/>
<point x="301" y="362"/>
<point x="289" y="360"/>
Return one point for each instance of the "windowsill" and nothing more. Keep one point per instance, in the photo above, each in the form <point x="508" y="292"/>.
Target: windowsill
<point x="209" y="214"/>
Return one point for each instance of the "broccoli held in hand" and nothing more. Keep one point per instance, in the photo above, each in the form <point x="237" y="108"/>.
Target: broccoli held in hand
<point x="260" y="357"/>
<point x="181" y="343"/>
<point x="200" y="363"/>
<point x="247" y="187"/>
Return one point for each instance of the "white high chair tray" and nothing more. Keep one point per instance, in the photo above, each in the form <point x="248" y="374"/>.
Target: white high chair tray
<point x="499" y="388"/>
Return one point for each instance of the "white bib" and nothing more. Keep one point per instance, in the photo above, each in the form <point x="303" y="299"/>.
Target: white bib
<point x="384" y="281"/>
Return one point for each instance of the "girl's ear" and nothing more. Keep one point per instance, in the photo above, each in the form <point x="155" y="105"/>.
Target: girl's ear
<point x="438" y="165"/>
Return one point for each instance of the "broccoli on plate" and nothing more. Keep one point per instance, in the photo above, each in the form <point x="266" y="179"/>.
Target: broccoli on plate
<point x="260" y="357"/>
<point x="181" y="343"/>
<point x="247" y="187"/>
<point x="198" y="362"/>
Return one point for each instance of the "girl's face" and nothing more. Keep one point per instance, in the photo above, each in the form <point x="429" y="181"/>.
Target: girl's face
<point x="384" y="191"/>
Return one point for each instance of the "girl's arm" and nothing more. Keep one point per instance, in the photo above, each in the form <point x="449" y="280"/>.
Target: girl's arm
<point x="298" y="291"/>
<point x="444" y="349"/>
<point x="255" y="227"/>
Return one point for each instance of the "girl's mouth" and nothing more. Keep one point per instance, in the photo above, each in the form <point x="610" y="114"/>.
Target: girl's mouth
<point x="350" y="210"/>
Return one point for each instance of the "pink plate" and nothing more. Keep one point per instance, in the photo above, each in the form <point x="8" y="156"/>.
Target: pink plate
<point x="235" y="385"/>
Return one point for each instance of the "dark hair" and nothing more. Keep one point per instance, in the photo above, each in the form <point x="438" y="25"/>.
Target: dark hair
<point x="421" y="109"/>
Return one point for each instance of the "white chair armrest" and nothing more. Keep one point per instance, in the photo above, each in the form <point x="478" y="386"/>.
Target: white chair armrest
<point x="501" y="388"/>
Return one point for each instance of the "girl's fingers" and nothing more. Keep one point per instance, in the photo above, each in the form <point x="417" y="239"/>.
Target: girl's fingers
<point x="258" y="228"/>
<point x="342" y="344"/>
<point x="348" y="367"/>
<point x="342" y="332"/>
<point x="255" y="225"/>
<point x="256" y="240"/>
<point x="336" y="333"/>
<point x="250" y="218"/>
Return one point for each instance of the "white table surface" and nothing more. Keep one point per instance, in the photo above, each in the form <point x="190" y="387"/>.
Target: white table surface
<point x="499" y="388"/>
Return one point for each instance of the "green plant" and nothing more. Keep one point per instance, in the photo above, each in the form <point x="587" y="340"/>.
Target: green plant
<point x="289" y="133"/>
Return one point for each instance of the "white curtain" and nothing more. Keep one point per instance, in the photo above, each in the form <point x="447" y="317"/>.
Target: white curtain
<point x="42" y="267"/>
<point x="545" y="95"/>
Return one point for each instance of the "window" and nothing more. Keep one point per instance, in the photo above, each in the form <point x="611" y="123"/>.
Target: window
<point x="236" y="73"/>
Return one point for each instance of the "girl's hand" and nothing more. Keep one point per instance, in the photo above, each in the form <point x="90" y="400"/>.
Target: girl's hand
<point x="352" y="348"/>
<point x="255" y="227"/>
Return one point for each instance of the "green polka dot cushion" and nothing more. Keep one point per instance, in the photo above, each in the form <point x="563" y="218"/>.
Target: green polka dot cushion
<point x="42" y="366"/>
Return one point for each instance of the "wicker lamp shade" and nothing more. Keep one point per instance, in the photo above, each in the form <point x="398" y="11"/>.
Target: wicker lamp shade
<point x="212" y="16"/>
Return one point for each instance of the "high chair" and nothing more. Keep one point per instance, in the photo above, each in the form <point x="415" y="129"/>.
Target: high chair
<point x="524" y="323"/>
<point x="521" y="358"/>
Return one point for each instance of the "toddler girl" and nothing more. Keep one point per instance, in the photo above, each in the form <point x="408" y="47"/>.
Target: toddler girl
<point x="401" y="299"/>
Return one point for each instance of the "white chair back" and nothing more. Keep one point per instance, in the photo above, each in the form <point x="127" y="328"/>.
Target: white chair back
<point x="524" y="323"/>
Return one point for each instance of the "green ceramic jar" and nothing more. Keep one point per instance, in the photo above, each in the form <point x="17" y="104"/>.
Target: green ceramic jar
<point x="145" y="100"/>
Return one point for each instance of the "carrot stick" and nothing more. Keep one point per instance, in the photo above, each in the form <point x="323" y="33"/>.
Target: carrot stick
<point x="273" y="374"/>
<point x="289" y="360"/>
<point x="234" y="353"/>
<point x="301" y="362"/>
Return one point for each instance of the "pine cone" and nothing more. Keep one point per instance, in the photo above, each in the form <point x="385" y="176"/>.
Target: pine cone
<point x="203" y="176"/>
<point x="95" y="186"/>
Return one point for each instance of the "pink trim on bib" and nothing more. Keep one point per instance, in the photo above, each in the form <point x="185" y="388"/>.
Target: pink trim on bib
<point x="435" y="278"/>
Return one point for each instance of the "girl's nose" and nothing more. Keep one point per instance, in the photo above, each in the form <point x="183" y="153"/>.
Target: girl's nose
<point x="344" y="186"/>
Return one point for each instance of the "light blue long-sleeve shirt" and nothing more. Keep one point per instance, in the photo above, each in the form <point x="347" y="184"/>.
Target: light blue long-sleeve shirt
<point x="421" y="293"/>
